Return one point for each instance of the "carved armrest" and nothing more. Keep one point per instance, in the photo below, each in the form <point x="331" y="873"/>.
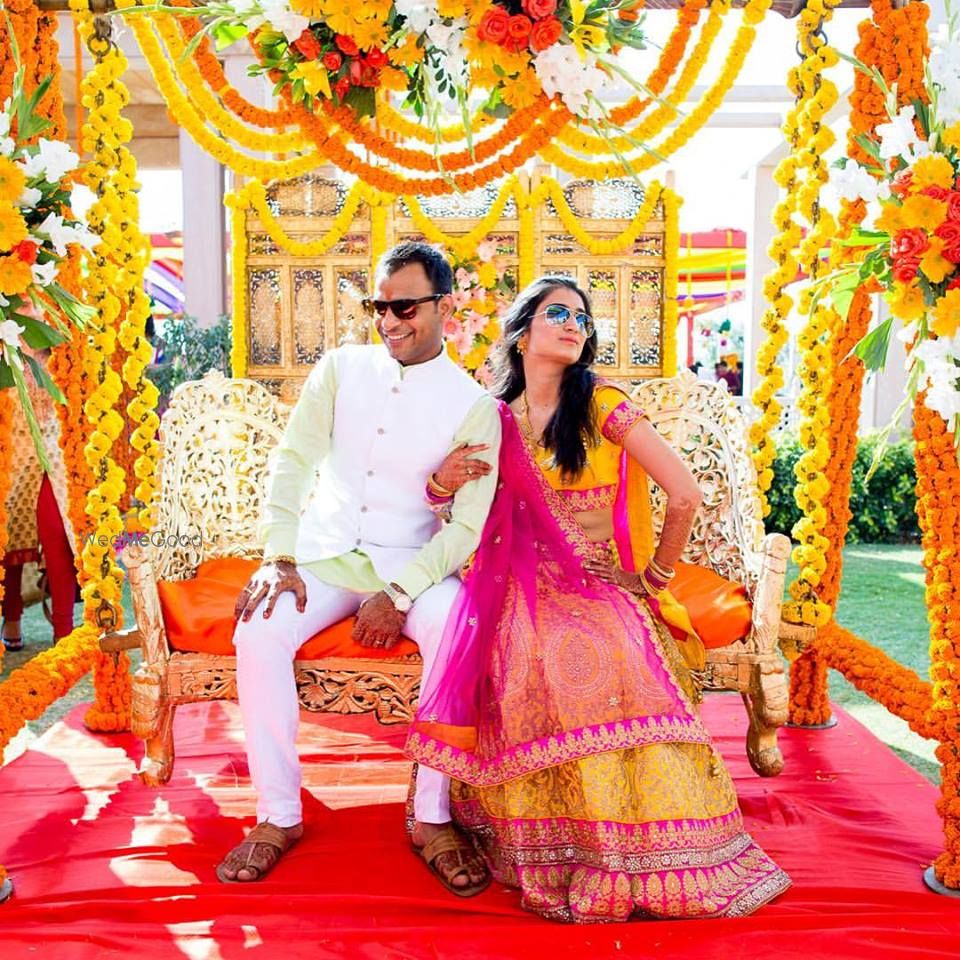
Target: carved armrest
<point x="768" y="598"/>
<point x="146" y="606"/>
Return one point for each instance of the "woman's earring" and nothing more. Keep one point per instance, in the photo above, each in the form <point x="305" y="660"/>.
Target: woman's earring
<point x="522" y="346"/>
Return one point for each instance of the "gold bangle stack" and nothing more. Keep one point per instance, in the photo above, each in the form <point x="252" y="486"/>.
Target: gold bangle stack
<point x="662" y="572"/>
<point x="648" y="588"/>
<point x="437" y="488"/>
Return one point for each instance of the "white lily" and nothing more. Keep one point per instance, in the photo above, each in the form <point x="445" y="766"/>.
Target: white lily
<point x="44" y="273"/>
<point x="10" y="332"/>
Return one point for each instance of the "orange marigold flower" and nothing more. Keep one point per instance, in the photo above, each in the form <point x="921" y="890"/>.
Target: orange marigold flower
<point x="923" y="211"/>
<point x="951" y="136"/>
<point x="12" y="227"/>
<point x="907" y="302"/>
<point x="407" y="54"/>
<point x="946" y="314"/>
<point x="15" y="276"/>
<point x="934" y="170"/>
<point x="934" y="264"/>
<point x="891" y="219"/>
<point x="12" y="180"/>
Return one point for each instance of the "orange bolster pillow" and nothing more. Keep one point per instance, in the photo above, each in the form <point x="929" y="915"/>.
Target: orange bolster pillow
<point x="719" y="609"/>
<point x="198" y="615"/>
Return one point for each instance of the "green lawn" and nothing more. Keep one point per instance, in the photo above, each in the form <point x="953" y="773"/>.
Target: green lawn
<point x="882" y="602"/>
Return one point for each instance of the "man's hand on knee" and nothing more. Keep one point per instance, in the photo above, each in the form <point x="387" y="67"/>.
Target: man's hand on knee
<point x="269" y="583"/>
<point x="379" y="623"/>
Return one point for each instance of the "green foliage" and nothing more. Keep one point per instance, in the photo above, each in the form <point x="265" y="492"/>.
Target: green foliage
<point x="883" y="510"/>
<point x="187" y="351"/>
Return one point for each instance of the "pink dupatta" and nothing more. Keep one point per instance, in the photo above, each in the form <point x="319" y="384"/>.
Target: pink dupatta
<point x="541" y="663"/>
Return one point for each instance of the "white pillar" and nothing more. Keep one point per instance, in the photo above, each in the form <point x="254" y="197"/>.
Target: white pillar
<point x="203" y="233"/>
<point x="766" y="194"/>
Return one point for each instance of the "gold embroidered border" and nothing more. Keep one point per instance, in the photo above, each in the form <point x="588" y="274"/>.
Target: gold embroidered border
<point x="596" y="498"/>
<point x="618" y="424"/>
<point x="529" y="757"/>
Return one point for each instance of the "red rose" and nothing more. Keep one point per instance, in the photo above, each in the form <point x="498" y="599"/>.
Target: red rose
<point x="951" y="253"/>
<point x="493" y="25"/>
<point x="537" y="9"/>
<point x="905" y="269"/>
<point x="341" y="88"/>
<point x="545" y="33"/>
<point x="938" y="193"/>
<point x="308" y="45"/>
<point x="363" y="75"/>
<point x="26" y="250"/>
<point x="954" y="283"/>
<point x="332" y="60"/>
<point x="901" y="182"/>
<point x="949" y="233"/>
<point x="518" y="31"/>
<point x="910" y="243"/>
<point x="953" y="206"/>
<point x="346" y="45"/>
<point x="377" y="58"/>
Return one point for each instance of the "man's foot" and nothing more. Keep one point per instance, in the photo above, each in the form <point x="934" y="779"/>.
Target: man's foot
<point x="256" y="856"/>
<point x="451" y="857"/>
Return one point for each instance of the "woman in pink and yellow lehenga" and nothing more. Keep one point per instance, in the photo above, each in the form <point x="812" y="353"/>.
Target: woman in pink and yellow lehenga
<point x="562" y="703"/>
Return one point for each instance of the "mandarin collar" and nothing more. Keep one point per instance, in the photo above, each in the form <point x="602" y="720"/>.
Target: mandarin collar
<point x="420" y="370"/>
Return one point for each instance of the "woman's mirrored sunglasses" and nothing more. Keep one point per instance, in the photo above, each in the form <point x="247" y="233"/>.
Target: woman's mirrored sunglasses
<point x="402" y="309"/>
<point x="556" y="314"/>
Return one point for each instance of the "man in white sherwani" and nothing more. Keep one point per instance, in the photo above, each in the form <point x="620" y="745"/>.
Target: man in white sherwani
<point x="347" y="530"/>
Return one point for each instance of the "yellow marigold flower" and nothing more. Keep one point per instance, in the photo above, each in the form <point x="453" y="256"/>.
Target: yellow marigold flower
<point x="15" y="276"/>
<point x="406" y="54"/>
<point x="313" y="9"/>
<point x="946" y="314"/>
<point x="935" y="266"/>
<point x="923" y="211"/>
<point x="934" y="170"/>
<point x="12" y="227"/>
<point x="369" y="34"/>
<point x="523" y="91"/>
<point x="451" y="8"/>
<point x="891" y="219"/>
<point x="951" y="136"/>
<point x="12" y="180"/>
<point x="475" y="357"/>
<point x="907" y="303"/>
<point x="341" y="22"/>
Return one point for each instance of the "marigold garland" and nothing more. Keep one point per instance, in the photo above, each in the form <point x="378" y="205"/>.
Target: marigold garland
<point x="116" y="271"/>
<point x="894" y="43"/>
<point x="666" y="112"/>
<point x="753" y="13"/>
<point x="938" y="510"/>
<point x="237" y="202"/>
<point x="814" y="370"/>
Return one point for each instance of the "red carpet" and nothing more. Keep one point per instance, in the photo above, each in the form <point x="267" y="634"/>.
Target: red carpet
<point x="104" y="866"/>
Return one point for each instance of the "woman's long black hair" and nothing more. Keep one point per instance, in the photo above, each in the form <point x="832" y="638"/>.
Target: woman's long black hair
<point x="573" y="426"/>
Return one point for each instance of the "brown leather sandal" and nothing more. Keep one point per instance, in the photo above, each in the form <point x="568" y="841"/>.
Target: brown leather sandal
<point x="263" y="834"/>
<point x="450" y="841"/>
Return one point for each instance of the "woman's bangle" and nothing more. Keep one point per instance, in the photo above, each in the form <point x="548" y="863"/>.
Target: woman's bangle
<point x="664" y="573"/>
<point x="648" y="588"/>
<point x="655" y="580"/>
<point x="437" y="489"/>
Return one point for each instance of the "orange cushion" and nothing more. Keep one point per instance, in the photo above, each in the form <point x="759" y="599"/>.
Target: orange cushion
<point x="719" y="609"/>
<point x="198" y="615"/>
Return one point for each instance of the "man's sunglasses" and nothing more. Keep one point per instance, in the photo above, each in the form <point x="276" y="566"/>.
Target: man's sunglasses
<point x="402" y="309"/>
<point x="556" y="314"/>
